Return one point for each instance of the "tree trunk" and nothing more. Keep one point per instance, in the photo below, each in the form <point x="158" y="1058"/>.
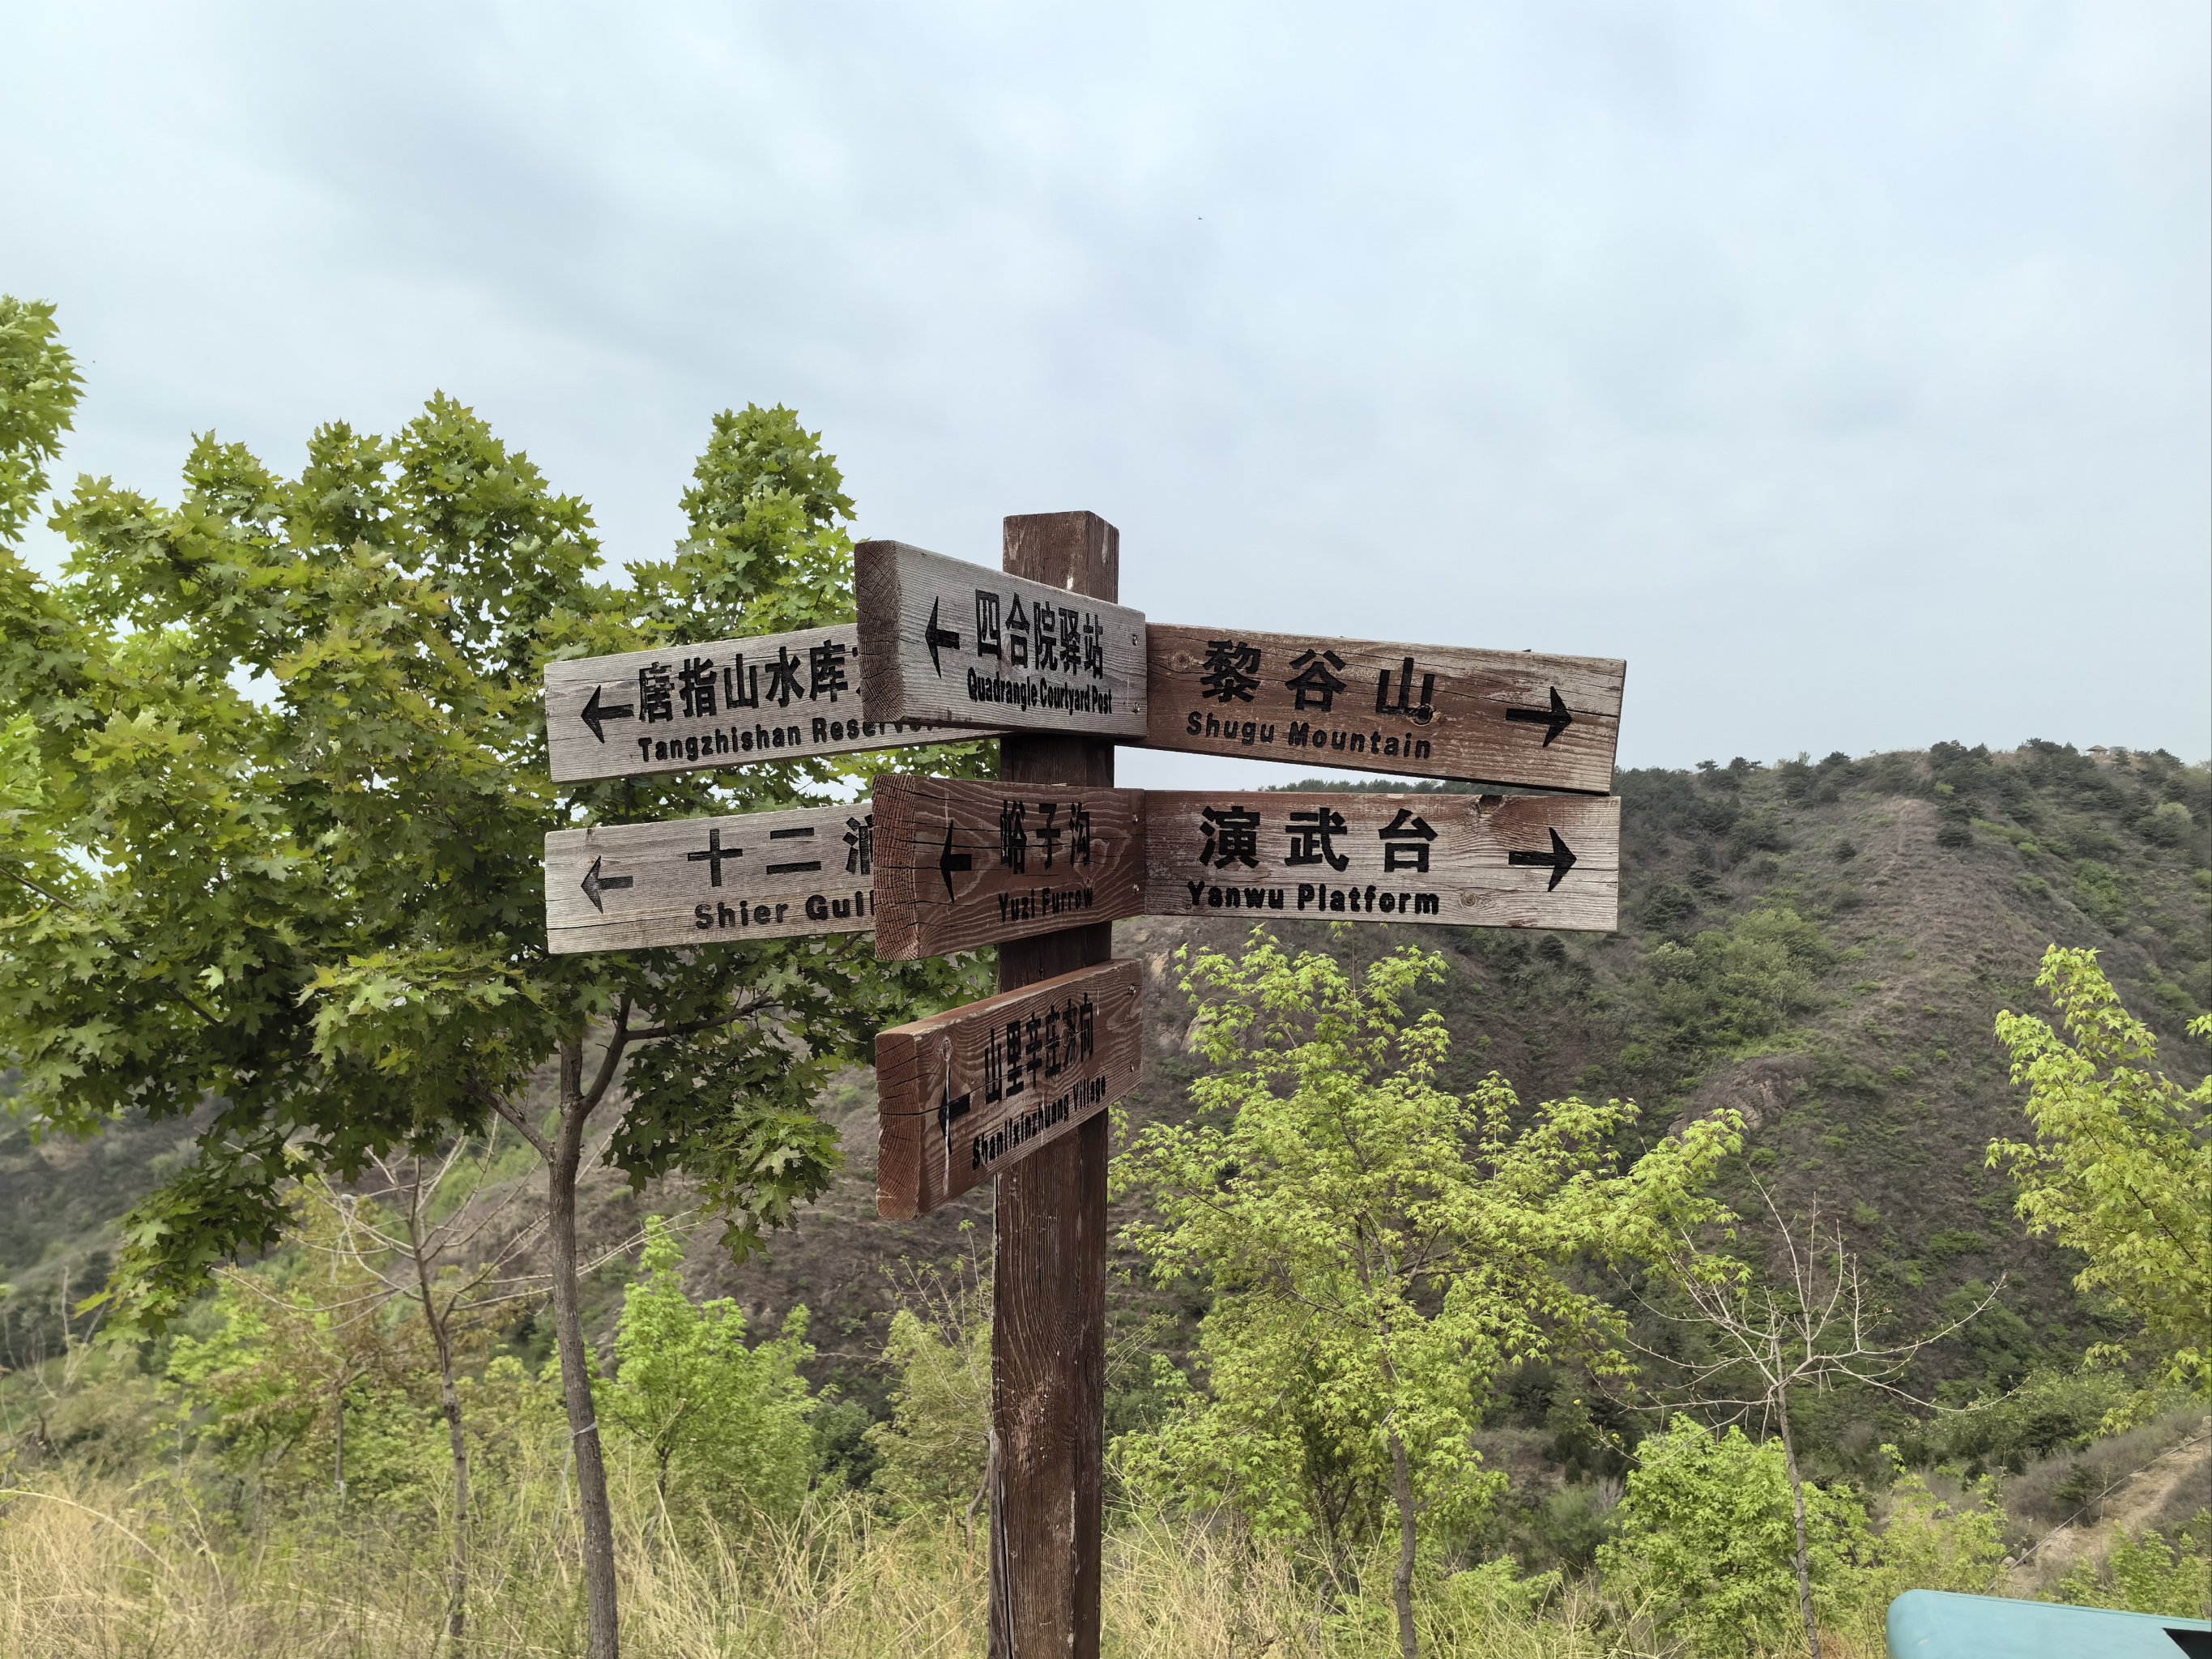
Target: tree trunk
<point x="605" y="1637"/>
<point x="449" y="1397"/>
<point x="1798" y="1500"/>
<point x="1401" y="1581"/>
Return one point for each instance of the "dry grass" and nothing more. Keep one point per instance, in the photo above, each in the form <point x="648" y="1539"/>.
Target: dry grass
<point x="93" y="1569"/>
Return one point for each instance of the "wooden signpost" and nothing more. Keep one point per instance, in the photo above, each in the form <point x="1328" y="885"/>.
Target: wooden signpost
<point x="965" y="1093"/>
<point x="965" y="863"/>
<point x="1449" y="860"/>
<point x="954" y="644"/>
<point x="1428" y="711"/>
<point x="1040" y="863"/>
<point x="728" y="702"/>
<point x="711" y="881"/>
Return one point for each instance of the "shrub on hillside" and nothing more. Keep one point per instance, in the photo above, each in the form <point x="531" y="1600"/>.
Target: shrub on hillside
<point x="1704" y="1542"/>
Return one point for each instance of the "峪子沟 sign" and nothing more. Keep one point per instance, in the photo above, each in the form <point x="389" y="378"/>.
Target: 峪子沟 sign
<point x="960" y="864"/>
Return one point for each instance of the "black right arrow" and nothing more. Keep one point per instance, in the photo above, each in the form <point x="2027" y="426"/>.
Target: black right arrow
<point x="1555" y="719"/>
<point x="595" y="712"/>
<point x="595" y="884"/>
<point x="933" y="636"/>
<point x="948" y="860"/>
<point x="1561" y="858"/>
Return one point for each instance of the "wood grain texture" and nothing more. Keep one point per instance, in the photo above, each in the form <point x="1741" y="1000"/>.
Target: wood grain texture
<point x="1220" y="691"/>
<point x="1268" y="852"/>
<point x="960" y="864"/>
<point x="1048" y="1247"/>
<point x="803" y="689"/>
<point x="956" y="644"/>
<point x="967" y="1094"/>
<point x="710" y="881"/>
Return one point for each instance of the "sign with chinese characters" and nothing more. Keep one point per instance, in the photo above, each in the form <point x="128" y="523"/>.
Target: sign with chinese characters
<point x="967" y="1093"/>
<point x="729" y="703"/>
<point x="1451" y="861"/>
<point x="711" y="881"/>
<point x="956" y="644"/>
<point x="1503" y="717"/>
<point x="962" y="864"/>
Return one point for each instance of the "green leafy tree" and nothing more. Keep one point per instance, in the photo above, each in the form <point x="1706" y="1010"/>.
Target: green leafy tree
<point x="273" y="798"/>
<point x="934" y="1451"/>
<point x="2120" y="1167"/>
<point x="1759" y="1337"/>
<point x="726" y="1426"/>
<point x="300" y="1369"/>
<point x="1378" y="1251"/>
<point x="1705" y="1542"/>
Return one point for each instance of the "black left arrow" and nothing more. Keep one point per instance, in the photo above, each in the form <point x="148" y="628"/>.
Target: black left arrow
<point x="948" y="860"/>
<point x="595" y="712"/>
<point x="595" y="884"/>
<point x="1555" y="719"/>
<point x="933" y="636"/>
<point x="1561" y="858"/>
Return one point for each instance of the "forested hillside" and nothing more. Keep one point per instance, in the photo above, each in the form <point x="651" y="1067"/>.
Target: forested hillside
<point x="1823" y="946"/>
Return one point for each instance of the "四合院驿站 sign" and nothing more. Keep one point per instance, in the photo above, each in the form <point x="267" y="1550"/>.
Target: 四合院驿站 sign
<point x="956" y="644"/>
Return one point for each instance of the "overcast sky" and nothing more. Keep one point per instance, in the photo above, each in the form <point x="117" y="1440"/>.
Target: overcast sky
<point x="1844" y="368"/>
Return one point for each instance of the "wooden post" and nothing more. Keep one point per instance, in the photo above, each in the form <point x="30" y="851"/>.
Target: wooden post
<point x="1048" y="1261"/>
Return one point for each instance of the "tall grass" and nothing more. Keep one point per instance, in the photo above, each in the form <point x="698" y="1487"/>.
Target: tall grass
<point x="95" y="1569"/>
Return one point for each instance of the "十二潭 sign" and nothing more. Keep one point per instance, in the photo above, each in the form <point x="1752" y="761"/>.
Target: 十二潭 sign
<point x="966" y="1093"/>
<point x="1431" y="711"/>
<point x="963" y="864"/>
<point x="1454" y="860"/>
<point x="728" y="702"/>
<point x="711" y="881"/>
<point x="955" y="644"/>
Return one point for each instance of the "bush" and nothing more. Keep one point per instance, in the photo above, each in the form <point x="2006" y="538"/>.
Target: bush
<point x="2168" y="824"/>
<point x="724" y="1425"/>
<point x="2050" y="1412"/>
<point x="933" y="1450"/>
<point x="1705" y="1541"/>
<point x="2147" y="1572"/>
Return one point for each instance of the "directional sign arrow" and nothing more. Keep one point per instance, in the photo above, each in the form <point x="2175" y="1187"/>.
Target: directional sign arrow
<point x="595" y="712"/>
<point x="950" y="860"/>
<point x="1561" y="859"/>
<point x="933" y="636"/>
<point x="595" y="883"/>
<point x="1554" y="720"/>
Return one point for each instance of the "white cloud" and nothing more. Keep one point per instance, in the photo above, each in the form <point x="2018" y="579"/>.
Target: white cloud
<point x="1842" y="367"/>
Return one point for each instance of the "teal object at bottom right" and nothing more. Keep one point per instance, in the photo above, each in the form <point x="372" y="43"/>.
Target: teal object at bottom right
<point x="1937" y="1625"/>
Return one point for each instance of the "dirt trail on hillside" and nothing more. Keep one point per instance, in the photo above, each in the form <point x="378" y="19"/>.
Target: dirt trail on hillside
<point x="2130" y="1508"/>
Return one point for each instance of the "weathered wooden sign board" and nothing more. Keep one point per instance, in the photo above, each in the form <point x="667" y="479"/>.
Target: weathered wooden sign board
<point x="711" y="881"/>
<point x="727" y="703"/>
<point x="949" y="643"/>
<point x="966" y="1093"/>
<point x="1448" y="860"/>
<point x="962" y="864"/>
<point x="1429" y="711"/>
